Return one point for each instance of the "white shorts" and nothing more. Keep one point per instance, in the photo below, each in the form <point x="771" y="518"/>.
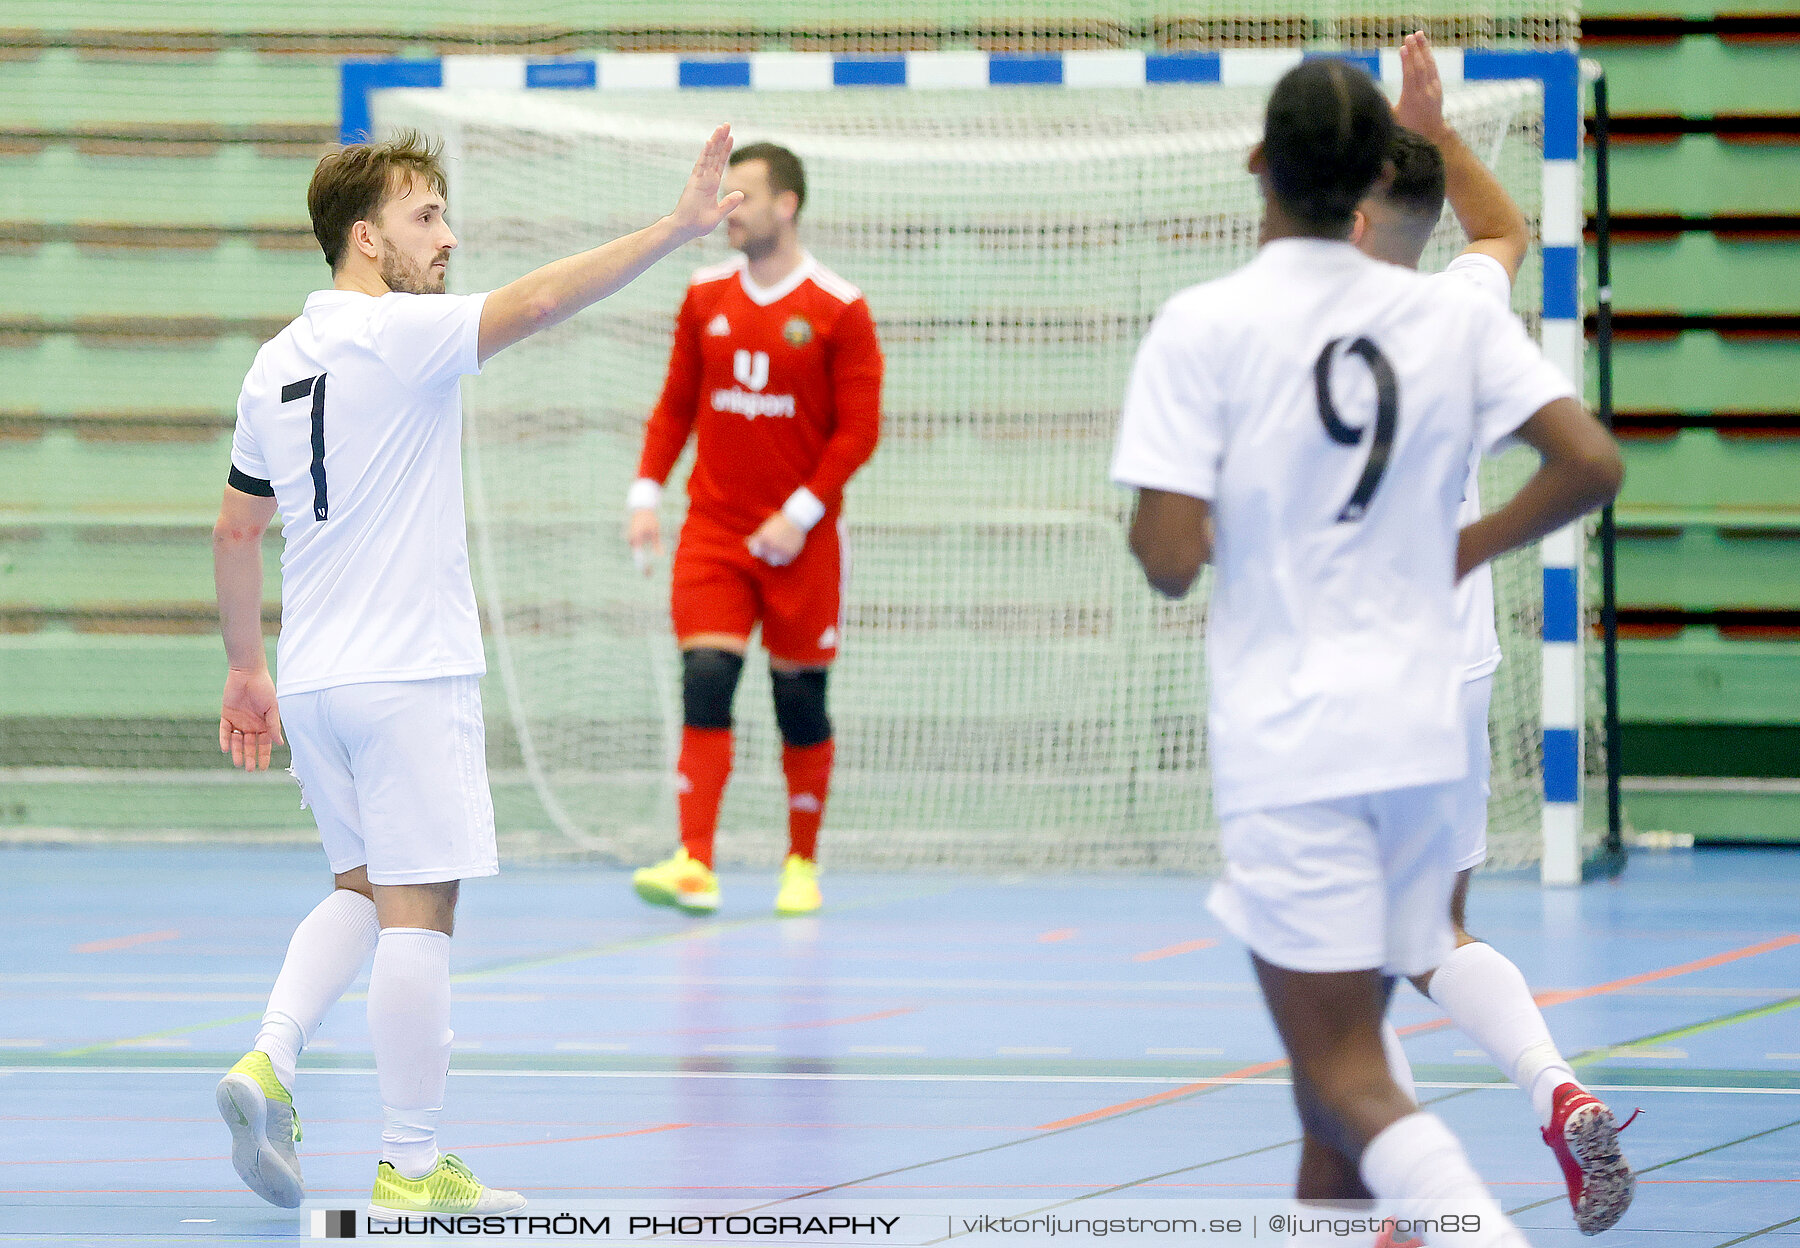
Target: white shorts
<point x="396" y="775"/>
<point x="1470" y="840"/>
<point x="1353" y="884"/>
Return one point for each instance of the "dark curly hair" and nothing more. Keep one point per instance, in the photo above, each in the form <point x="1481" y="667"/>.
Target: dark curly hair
<point x="1325" y="139"/>
<point x="1418" y="182"/>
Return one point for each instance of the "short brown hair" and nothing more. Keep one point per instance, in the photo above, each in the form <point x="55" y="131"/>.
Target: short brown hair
<point x="351" y="184"/>
<point x="785" y="171"/>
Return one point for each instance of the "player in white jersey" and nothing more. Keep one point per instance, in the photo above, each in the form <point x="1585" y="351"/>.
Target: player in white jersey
<point x="1478" y="987"/>
<point x="350" y="425"/>
<point x="1305" y="424"/>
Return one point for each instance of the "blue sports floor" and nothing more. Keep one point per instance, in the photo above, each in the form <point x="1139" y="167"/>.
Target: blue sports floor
<point x="940" y="1036"/>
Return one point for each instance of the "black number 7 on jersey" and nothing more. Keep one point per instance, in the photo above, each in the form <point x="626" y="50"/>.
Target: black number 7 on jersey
<point x="1387" y="417"/>
<point x="314" y="386"/>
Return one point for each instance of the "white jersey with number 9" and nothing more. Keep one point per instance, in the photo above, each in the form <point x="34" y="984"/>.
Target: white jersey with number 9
<point x="1327" y="406"/>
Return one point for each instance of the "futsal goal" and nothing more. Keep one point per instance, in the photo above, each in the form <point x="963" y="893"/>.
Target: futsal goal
<point x="1009" y="693"/>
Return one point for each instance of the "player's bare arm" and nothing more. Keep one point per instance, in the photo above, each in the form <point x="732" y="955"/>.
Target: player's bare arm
<point x="1171" y="535"/>
<point x="1581" y="470"/>
<point x="552" y="294"/>
<point x="1490" y="219"/>
<point x="249" y="723"/>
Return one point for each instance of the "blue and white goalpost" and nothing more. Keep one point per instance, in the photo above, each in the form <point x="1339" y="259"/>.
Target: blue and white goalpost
<point x="1012" y="263"/>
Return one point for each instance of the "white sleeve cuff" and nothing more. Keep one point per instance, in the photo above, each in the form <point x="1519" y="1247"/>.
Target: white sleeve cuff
<point x="644" y="495"/>
<point x="804" y="509"/>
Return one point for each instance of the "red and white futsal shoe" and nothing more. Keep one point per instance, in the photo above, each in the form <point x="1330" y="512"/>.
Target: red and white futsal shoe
<point x="1585" y="1138"/>
<point x="1392" y="1237"/>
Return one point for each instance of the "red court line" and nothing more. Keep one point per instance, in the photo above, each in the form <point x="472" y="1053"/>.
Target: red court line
<point x="1186" y="1089"/>
<point x="1556" y="997"/>
<point x="1060" y="933"/>
<point x="126" y="942"/>
<point x="573" y="1139"/>
<point x="1169" y="951"/>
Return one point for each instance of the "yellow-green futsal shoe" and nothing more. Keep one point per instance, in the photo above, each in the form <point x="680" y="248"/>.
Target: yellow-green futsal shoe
<point x="449" y="1188"/>
<point x="799" y="892"/>
<point x="264" y="1130"/>
<point x="683" y="882"/>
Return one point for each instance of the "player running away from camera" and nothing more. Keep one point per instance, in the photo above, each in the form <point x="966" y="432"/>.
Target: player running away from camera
<point x="1477" y="986"/>
<point x="350" y="426"/>
<point x="776" y="373"/>
<point x="1306" y="423"/>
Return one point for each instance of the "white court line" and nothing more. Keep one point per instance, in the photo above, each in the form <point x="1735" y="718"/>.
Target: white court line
<point x="857" y="1077"/>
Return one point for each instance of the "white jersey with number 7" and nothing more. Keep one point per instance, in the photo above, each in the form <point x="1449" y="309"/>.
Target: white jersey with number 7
<point x="1327" y="405"/>
<point x="352" y="418"/>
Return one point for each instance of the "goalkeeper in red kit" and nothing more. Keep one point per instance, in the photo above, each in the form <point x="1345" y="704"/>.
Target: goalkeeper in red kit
<point x="776" y="372"/>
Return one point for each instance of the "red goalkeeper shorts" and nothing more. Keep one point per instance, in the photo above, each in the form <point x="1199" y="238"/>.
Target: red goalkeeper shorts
<point x="720" y="587"/>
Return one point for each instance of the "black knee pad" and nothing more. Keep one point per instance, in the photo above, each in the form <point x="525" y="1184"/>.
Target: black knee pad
<point x="800" y="706"/>
<point x="709" y="678"/>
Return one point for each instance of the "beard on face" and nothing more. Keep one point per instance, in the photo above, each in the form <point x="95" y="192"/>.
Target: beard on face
<point x="401" y="273"/>
<point x="757" y="245"/>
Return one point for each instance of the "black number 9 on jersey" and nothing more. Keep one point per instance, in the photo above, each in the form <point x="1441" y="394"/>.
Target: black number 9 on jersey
<point x="1387" y="417"/>
<point x="314" y="386"/>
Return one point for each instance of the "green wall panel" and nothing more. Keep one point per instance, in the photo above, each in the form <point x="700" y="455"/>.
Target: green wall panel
<point x="234" y="279"/>
<point x="61" y="373"/>
<point x="63" y="87"/>
<point x="1700" y="272"/>
<point x="1700" y="677"/>
<point x="1701" y="371"/>
<point x="1699" y="569"/>
<point x="60" y="472"/>
<point x="1699" y="76"/>
<point x="1702" y="468"/>
<point x="1718" y="817"/>
<point x="1699" y="175"/>
<point x="230" y="185"/>
<point x="65" y="567"/>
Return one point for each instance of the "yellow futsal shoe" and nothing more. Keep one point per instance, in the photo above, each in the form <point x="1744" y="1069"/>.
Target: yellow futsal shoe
<point x="449" y="1188"/>
<point x="799" y="893"/>
<point x="264" y="1130"/>
<point x="683" y="882"/>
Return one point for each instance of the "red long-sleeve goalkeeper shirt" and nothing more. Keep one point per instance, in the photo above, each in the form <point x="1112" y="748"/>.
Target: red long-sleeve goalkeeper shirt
<point x="781" y="387"/>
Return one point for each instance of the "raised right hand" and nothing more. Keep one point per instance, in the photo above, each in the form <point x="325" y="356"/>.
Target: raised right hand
<point x="699" y="210"/>
<point x="1421" y="105"/>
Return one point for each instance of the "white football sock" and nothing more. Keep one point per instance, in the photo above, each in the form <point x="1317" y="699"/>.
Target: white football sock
<point x="1485" y="995"/>
<point x="409" y="1023"/>
<point x="1418" y="1170"/>
<point x="1398" y="1066"/>
<point x="324" y="955"/>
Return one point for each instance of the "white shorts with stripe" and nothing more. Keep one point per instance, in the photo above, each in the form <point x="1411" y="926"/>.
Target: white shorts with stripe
<point x="395" y="774"/>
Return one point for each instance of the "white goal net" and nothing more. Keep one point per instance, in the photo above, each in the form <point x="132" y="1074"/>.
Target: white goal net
<point x="1009" y="692"/>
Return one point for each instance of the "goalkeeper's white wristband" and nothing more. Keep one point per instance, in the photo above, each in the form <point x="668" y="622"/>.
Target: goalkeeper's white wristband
<point x="803" y="509"/>
<point x="643" y="495"/>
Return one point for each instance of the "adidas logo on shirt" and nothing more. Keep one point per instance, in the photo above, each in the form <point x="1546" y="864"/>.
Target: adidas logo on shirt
<point x="719" y="326"/>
